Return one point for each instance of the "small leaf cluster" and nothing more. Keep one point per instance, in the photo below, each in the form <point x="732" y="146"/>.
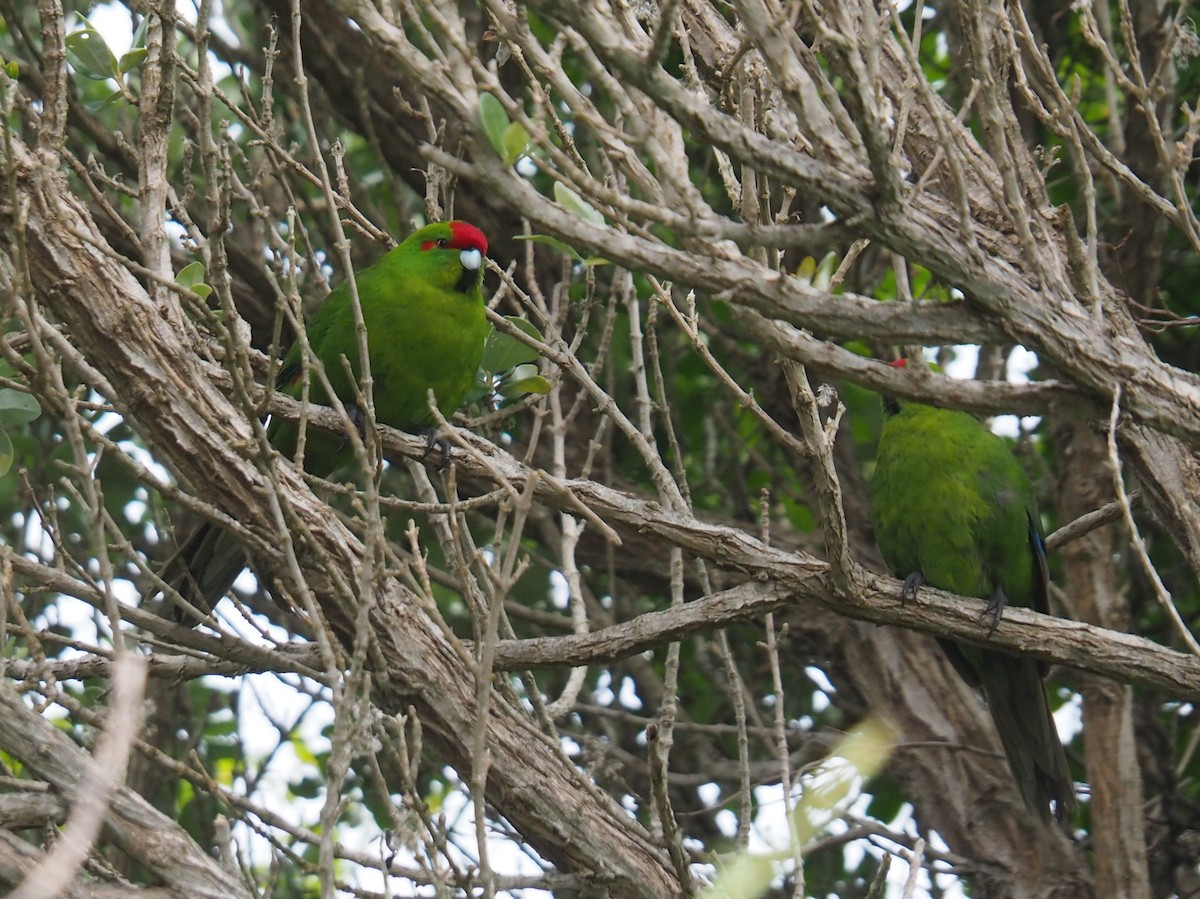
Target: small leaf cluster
<point x="511" y="142"/>
<point x="90" y="56"/>
<point x="509" y="139"/>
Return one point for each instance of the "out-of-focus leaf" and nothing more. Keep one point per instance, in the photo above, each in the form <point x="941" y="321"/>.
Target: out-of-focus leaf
<point x="503" y="351"/>
<point x="132" y="60"/>
<point x="563" y="247"/>
<point x="553" y="242"/>
<point x="572" y="202"/>
<point x="139" y="36"/>
<point x="6" y="453"/>
<point x="519" y="387"/>
<point x="101" y="105"/>
<point x="859" y="756"/>
<point x="514" y="143"/>
<point x="191" y="276"/>
<point x="17" y="408"/>
<point x="494" y="120"/>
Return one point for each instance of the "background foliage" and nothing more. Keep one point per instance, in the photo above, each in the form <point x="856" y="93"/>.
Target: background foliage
<point x="613" y="642"/>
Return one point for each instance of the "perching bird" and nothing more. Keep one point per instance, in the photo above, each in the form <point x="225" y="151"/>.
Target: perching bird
<point x="423" y="308"/>
<point x="953" y="508"/>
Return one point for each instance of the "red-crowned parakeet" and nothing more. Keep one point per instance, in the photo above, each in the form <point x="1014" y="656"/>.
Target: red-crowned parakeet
<point x="953" y="508"/>
<point x="423" y="308"/>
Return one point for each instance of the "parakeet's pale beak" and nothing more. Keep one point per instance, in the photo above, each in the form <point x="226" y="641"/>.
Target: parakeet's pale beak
<point x="471" y="259"/>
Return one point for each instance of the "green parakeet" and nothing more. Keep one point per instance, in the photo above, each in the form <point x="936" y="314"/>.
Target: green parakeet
<point x="423" y="308"/>
<point x="953" y="508"/>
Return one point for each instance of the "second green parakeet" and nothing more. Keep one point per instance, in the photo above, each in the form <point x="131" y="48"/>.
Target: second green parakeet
<point x="953" y="508"/>
<point x="423" y="308"/>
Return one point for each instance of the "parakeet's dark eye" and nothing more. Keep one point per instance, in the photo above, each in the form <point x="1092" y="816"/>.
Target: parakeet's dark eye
<point x="443" y="242"/>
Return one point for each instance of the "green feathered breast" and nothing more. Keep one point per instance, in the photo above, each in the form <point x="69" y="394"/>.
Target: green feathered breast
<point x="953" y="508"/>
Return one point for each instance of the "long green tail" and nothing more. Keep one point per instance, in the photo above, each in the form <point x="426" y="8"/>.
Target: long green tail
<point x="1017" y="700"/>
<point x="202" y="570"/>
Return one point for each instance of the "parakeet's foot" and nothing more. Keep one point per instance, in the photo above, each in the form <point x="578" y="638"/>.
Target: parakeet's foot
<point x="442" y="442"/>
<point x="912" y="584"/>
<point x="995" y="608"/>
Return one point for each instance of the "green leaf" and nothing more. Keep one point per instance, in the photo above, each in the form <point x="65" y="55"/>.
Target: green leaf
<point x="132" y="60"/>
<point x="515" y="142"/>
<point x="6" y="454"/>
<point x="522" y="384"/>
<point x="17" y="408"/>
<point x="503" y="351"/>
<point x="90" y="55"/>
<point x="494" y="120"/>
<point x="12" y="69"/>
<point x="553" y="242"/>
<point x="101" y="105"/>
<point x="572" y="202"/>
<point x="139" y="36"/>
<point x="564" y="248"/>
<point x="825" y="271"/>
<point x="191" y="276"/>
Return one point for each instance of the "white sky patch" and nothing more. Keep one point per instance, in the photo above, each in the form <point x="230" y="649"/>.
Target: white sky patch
<point x="1068" y="718"/>
<point x="114" y="22"/>
<point x="825" y="689"/>
<point x="628" y="695"/>
<point x="560" y="592"/>
<point x="603" y="693"/>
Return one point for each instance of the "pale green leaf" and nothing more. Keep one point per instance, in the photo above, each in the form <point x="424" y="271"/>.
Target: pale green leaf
<point x="515" y="389"/>
<point x="515" y="142"/>
<point x="553" y="242"/>
<point x="572" y="202"/>
<point x="805" y="270"/>
<point x="494" y="120"/>
<point x="191" y="276"/>
<point x="139" y="36"/>
<point x="860" y="755"/>
<point x="503" y="351"/>
<point x="17" y="408"/>
<point x="132" y="60"/>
